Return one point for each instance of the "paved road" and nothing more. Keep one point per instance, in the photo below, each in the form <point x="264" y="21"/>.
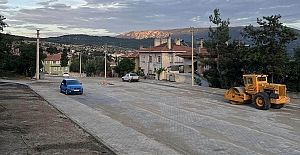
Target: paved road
<point x="153" y="117"/>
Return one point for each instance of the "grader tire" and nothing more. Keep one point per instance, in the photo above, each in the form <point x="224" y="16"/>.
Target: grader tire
<point x="277" y="106"/>
<point x="262" y="101"/>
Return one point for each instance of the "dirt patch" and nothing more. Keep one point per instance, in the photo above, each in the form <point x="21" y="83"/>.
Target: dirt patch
<point x="29" y="125"/>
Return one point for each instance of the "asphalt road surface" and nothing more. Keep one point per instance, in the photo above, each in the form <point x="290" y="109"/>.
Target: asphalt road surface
<point x="190" y="121"/>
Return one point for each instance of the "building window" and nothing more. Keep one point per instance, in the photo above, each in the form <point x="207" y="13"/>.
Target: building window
<point x="59" y="69"/>
<point x="55" y="68"/>
<point x="158" y="59"/>
<point x="150" y="59"/>
<point x="144" y="58"/>
<point x="54" y="62"/>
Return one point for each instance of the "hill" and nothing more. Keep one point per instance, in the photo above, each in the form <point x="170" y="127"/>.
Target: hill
<point x="82" y="39"/>
<point x="185" y="34"/>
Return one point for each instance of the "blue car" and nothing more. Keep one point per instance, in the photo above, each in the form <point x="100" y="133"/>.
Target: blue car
<point x="71" y="86"/>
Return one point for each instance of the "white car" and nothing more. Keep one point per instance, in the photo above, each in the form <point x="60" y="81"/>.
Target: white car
<point x="66" y="75"/>
<point x="131" y="77"/>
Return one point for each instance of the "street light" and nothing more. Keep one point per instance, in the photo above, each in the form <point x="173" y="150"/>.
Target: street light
<point x="192" y="55"/>
<point x="37" y="71"/>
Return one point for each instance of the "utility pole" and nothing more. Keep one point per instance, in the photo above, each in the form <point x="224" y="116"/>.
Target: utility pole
<point x="105" y="60"/>
<point x="37" y="71"/>
<point x="192" y="55"/>
<point x="80" y="63"/>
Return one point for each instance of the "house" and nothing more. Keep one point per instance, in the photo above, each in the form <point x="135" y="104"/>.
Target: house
<point x="199" y="54"/>
<point x="203" y="54"/>
<point x="133" y="56"/>
<point x="52" y="65"/>
<point x="164" y="54"/>
<point x="187" y="64"/>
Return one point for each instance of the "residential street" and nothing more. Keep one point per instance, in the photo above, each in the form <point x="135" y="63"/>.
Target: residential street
<point x="160" y="117"/>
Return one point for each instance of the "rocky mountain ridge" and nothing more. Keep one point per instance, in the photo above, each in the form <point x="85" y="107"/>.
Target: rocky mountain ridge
<point x="162" y="33"/>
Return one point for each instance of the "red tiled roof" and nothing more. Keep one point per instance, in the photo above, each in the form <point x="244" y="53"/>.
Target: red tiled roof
<point x="53" y="57"/>
<point x="204" y="51"/>
<point x="130" y="55"/>
<point x="164" y="48"/>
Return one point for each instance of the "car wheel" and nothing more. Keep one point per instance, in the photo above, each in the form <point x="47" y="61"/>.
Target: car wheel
<point x="60" y="90"/>
<point x="66" y="92"/>
<point x="123" y="80"/>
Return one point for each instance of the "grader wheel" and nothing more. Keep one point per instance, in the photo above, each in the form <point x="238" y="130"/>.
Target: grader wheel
<point x="262" y="101"/>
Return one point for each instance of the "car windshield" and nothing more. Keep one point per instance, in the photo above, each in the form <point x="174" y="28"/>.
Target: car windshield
<point x="72" y="82"/>
<point x="133" y="74"/>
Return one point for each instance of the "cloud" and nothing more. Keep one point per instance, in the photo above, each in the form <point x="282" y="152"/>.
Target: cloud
<point x="113" y="17"/>
<point x="3" y="1"/>
<point x="46" y="2"/>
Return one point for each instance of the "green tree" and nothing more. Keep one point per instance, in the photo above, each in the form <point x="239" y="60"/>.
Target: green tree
<point x="293" y="76"/>
<point x="140" y="72"/>
<point x="217" y="46"/>
<point x="64" y="58"/>
<point x="232" y="64"/>
<point x="126" y="65"/>
<point x="52" y="50"/>
<point x="5" y="44"/>
<point x="2" y="23"/>
<point x="159" y="71"/>
<point x="27" y="61"/>
<point x="268" y="53"/>
<point x="91" y="68"/>
<point x="74" y="67"/>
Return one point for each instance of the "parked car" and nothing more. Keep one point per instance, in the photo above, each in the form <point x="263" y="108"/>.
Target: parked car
<point x="71" y="86"/>
<point x="66" y="75"/>
<point x="131" y="77"/>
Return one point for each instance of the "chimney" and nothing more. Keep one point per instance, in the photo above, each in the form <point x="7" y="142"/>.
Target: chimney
<point x="177" y="41"/>
<point x="200" y="42"/>
<point x="157" y="42"/>
<point x="141" y="47"/>
<point x="163" y="40"/>
<point x="169" y="42"/>
<point x="200" y="45"/>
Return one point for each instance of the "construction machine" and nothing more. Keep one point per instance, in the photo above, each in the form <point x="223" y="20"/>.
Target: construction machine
<point x="257" y="90"/>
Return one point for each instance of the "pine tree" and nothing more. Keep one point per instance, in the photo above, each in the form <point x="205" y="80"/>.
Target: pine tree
<point x="268" y="53"/>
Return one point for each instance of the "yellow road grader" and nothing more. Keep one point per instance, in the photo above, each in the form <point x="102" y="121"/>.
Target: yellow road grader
<point x="257" y="90"/>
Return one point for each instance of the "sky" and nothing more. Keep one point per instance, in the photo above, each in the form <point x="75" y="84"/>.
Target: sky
<point x="112" y="17"/>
